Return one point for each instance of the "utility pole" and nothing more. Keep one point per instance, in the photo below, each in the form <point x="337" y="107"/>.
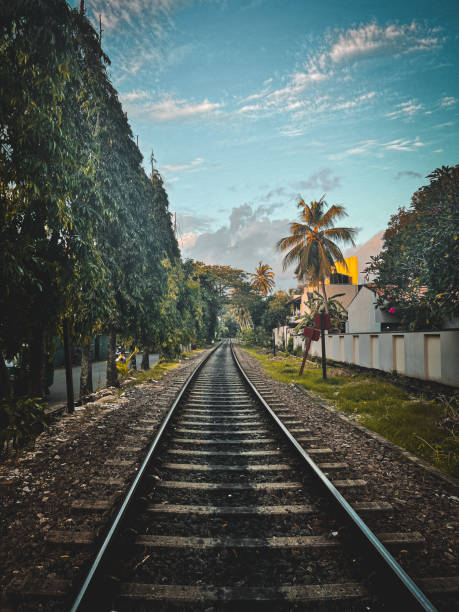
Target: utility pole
<point x="324" y="356"/>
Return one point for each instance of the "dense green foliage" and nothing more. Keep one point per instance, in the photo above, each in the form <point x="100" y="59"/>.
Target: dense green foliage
<point x="20" y="419"/>
<point x="417" y="272"/>
<point x="86" y="234"/>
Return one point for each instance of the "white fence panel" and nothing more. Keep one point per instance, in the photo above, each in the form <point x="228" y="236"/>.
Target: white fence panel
<point x="424" y="355"/>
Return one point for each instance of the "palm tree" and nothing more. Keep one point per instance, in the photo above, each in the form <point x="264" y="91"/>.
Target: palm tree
<point x="312" y="242"/>
<point x="263" y="279"/>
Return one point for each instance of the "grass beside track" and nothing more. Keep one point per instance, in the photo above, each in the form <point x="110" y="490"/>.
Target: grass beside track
<point x="158" y="370"/>
<point x="421" y="425"/>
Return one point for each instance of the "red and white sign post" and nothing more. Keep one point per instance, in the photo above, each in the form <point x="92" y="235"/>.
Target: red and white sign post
<point x="321" y="323"/>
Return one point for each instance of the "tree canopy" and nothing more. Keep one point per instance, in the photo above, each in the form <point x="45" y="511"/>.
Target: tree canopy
<point x="417" y="272"/>
<point x="313" y="243"/>
<point x="86" y="233"/>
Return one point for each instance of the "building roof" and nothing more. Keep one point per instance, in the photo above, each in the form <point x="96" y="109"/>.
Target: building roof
<point x="349" y="292"/>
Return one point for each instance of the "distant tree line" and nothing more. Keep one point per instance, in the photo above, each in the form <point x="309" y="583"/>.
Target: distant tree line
<point x="87" y="242"/>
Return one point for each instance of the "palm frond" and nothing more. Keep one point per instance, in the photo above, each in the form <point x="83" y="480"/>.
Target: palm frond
<point x="292" y="256"/>
<point x="343" y="234"/>
<point x="334" y="212"/>
<point x="334" y="251"/>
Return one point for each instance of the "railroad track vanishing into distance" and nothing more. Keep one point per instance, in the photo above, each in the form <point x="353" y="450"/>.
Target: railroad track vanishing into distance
<point x="234" y="507"/>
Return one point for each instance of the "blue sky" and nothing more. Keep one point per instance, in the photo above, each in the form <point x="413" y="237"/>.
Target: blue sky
<point x="248" y="105"/>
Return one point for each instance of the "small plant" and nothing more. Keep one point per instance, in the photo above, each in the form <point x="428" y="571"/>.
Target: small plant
<point x="442" y="457"/>
<point x="316" y="304"/>
<point x="20" y="419"/>
<point x="290" y="345"/>
<point x="123" y="366"/>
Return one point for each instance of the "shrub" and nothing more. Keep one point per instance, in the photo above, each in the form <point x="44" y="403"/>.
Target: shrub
<point x="21" y="419"/>
<point x="290" y="345"/>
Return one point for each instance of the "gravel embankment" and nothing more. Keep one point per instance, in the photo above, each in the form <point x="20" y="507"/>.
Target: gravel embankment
<point x="422" y="502"/>
<point x="76" y="458"/>
<point x="74" y="461"/>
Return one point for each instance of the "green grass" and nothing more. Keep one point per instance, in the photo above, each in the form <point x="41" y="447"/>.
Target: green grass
<point x="158" y="370"/>
<point x="412" y="422"/>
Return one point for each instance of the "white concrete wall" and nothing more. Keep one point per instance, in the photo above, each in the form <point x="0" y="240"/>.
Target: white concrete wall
<point x="361" y="313"/>
<point x="424" y="355"/>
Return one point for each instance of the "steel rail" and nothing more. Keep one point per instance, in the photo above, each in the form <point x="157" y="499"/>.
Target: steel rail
<point x="411" y="593"/>
<point x="82" y="600"/>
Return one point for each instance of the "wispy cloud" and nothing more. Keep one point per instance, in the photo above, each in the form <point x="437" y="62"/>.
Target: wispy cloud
<point x="442" y="125"/>
<point x="405" y="110"/>
<point x="134" y="96"/>
<point x="359" y="149"/>
<point x="298" y="95"/>
<point x="366" y="146"/>
<point x="448" y="101"/>
<point x="355" y="102"/>
<point x="408" y="173"/>
<point x="404" y="145"/>
<point x="371" y="39"/>
<point x="322" y="181"/>
<point x="167" y="108"/>
<point x="118" y="14"/>
<point x="190" y="223"/>
<point x="180" y="167"/>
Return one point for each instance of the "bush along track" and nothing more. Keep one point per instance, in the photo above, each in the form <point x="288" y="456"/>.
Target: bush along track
<point x="425" y="426"/>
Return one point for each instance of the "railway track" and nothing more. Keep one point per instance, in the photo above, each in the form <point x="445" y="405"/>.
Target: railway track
<point x="236" y="507"/>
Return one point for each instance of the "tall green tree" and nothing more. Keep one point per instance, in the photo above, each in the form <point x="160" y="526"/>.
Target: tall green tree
<point x="417" y="272"/>
<point x="313" y="242"/>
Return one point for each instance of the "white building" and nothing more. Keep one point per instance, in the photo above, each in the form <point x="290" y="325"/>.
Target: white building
<point x="365" y="316"/>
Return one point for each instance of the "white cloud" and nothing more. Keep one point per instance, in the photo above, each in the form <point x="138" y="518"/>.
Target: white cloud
<point x="248" y="237"/>
<point x="365" y="146"/>
<point x="167" y="108"/>
<point x="405" y="109"/>
<point x="327" y="65"/>
<point x="134" y="96"/>
<point x="187" y="240"/>
<point x="187" y="166"/>
<point x="373" y="39"/>
<point x="404" y="145"/>
<point x="448" y="101"/>
<point x="362" y="147"/>
<point x="442" y="125"/>
<point x="249" y="108"/>
<point x="355" y="102"/>
<point x="119" y="13"/>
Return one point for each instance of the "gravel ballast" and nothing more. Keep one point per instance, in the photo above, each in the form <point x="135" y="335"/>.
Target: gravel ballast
<point x="422" y="500"/>
<point x="93" y="454"/>
<point x="90" y="455"/>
